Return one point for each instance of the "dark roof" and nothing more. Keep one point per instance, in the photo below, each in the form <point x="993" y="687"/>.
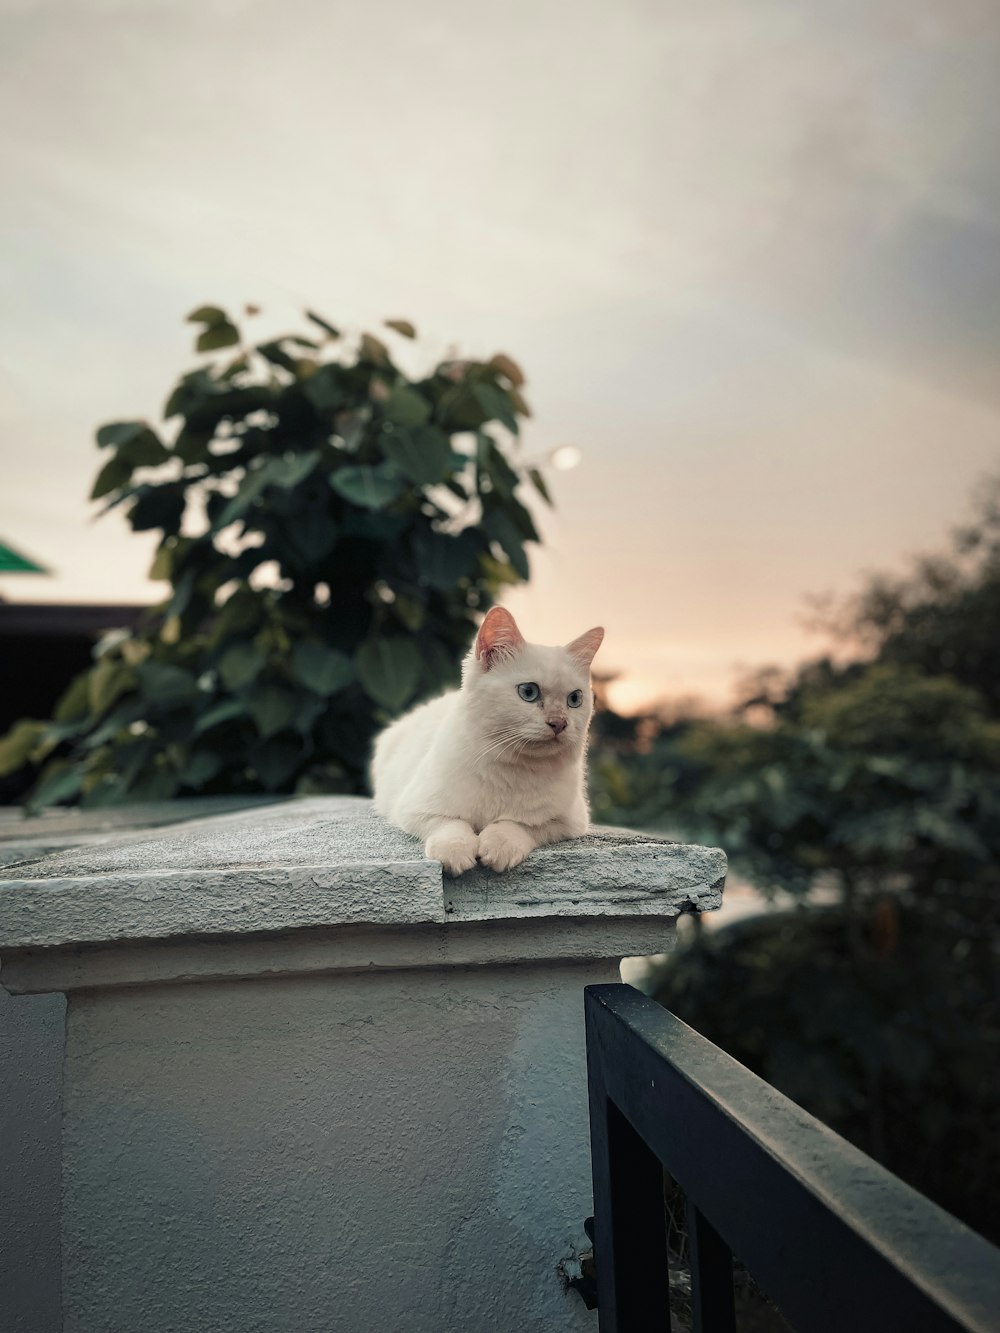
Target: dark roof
<point x="55" y="618"/>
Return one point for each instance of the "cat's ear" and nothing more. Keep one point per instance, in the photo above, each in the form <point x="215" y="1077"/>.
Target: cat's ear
<point x="498" y="638"/>
<point x="582" y="650"/>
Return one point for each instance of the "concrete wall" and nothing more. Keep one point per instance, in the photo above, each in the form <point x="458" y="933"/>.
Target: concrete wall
<point x="308" y="1083"/>
<point x="235" y="1137"/>
<point x="31" y="1053"/>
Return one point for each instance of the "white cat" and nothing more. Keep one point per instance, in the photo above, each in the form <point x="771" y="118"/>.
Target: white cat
<point x="496" y="768"/>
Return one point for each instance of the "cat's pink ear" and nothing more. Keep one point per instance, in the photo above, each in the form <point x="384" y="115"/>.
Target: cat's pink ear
<point x="584" y="648"/>
<point x="498" y="638"/>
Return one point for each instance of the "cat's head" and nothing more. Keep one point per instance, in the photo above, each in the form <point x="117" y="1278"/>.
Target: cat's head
<point x="534" y="700"/>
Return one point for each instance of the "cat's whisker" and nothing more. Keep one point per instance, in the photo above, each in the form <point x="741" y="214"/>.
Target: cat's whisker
<point x="498" y="751"/>
<point x="510" y="748"/>
<point x="497" y="745"/>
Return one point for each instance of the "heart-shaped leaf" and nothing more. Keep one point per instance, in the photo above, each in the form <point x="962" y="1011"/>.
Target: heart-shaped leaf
<point x="370" y="487"/>
<point x="208" y="314"/>
<point x="292" y="470"/>
<point x="144" y="449"/>
<point x="216" y="336"/>
<point x="321" y="668"/>
<point x="165" y="684"/>
<point x="406" y="407"/>
<point x="202" y="766"/>
<point x="114" y="474"/>
<point x="389" y="669"/>
<point x="373" y="349"/>
<point x="423" y="456"/>
<point x="240" y="664"/>
<point x="272" y="707"/>
<point x="117" y="433"/>
<point x="402" y="326"/>
<point x="159" y="506"/>
<point x="496" y="405"/>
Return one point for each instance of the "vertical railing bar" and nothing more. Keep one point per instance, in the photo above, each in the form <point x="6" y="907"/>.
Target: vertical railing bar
<point x="712" y="1297"/>
<point x="603" y="1235"/>
<point x="630" y="1227"/>
<point x="642" y="1274"/>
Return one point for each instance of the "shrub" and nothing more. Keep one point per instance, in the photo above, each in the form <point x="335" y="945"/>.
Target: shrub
<point x="330" y="528"/>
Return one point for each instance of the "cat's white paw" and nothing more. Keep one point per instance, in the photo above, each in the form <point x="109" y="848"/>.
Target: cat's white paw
<point x="504" y="845"/>
<point x="456" y="850"/>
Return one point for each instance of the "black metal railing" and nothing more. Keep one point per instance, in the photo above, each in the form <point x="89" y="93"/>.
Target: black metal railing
<point x="837" y="1242"/>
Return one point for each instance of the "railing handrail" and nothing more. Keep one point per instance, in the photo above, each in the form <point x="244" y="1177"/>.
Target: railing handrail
<point x="837" y="1241"/>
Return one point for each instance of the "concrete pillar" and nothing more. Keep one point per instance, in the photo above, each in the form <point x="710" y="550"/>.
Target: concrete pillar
<point x="309" y="1085"/>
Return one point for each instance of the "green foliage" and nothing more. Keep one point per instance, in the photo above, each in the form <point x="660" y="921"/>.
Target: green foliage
<point x="330" y="529"/>
<point x="888" y="776"/>
<point x="942" y="617"/>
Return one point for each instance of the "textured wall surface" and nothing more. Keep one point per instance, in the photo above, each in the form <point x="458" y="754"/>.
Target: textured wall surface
<point x="343" y="1154"/>
<point x="328" y="861"/>
<point x="310" y="1084"/>
<point x="31" y="1051"/>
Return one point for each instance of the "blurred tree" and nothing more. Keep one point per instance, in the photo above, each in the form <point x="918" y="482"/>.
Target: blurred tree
<point x="330" y="529"/>
<point x="943" y="617"/>
<point x="874" y="776"/>
<point x="881" y="771"/>
<point x="886" y="779"/>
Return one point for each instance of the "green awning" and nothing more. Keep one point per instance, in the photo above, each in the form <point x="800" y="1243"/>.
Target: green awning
<point x="12" y="562"/>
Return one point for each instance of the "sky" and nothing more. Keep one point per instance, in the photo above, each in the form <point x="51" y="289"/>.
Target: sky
<point x="747" y="254"/>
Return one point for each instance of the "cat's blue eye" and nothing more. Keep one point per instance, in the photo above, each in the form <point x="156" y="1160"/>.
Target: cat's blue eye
<point x="575" y="699"/>
<point x="529" y="691"/>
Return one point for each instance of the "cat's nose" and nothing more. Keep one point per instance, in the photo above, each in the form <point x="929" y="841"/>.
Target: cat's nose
<point x="558" y="725"/>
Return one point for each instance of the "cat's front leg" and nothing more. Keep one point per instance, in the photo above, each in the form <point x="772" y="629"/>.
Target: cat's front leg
<point x="454" y="843"/>
<point x="504" y="844"/>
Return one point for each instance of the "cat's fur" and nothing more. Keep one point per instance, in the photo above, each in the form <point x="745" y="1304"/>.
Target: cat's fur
<point x="480" y="773"/>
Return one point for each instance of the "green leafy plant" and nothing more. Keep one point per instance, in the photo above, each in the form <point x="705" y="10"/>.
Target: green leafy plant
<point x="330" y="528"/>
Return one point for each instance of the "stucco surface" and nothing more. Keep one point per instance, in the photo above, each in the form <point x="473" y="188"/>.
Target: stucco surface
<point x="25" y="838"/>
<point x="378" y="1153"/>
<point x="328" y="861"/>
<point x="311" y="1084"/>
<point x="31" y="1052"/>
<point x="343" y="949"/>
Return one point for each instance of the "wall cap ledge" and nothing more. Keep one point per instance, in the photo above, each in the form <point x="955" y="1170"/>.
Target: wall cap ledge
<point x="326" y="863"/>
